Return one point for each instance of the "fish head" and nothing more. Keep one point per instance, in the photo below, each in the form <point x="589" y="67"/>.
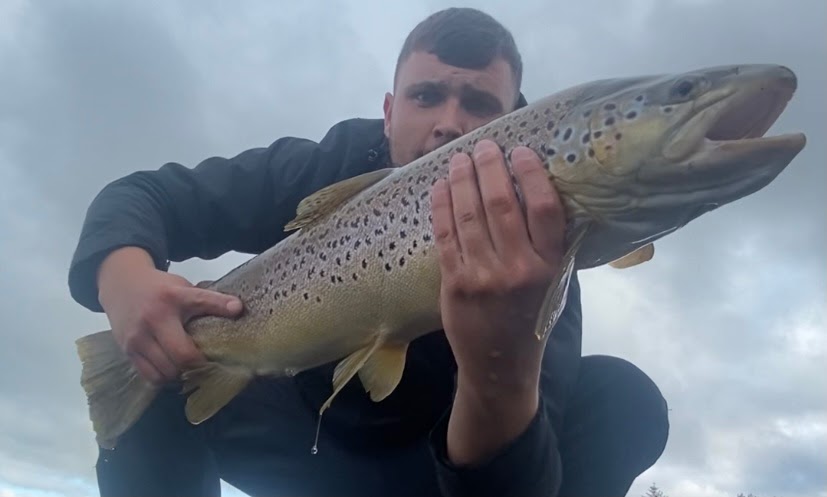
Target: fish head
<point x="665" y="149"/>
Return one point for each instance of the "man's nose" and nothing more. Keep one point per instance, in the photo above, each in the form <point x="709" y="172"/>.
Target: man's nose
<point x="450" y="124"/>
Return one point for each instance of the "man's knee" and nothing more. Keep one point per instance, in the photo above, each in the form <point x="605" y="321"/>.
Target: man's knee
<point x="632" y="395"/>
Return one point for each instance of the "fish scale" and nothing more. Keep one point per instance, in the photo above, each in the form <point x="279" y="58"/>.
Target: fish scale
<point x="632" y="159"/>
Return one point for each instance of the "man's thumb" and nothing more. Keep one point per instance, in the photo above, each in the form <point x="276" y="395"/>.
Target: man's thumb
<point x="202" y="302"/>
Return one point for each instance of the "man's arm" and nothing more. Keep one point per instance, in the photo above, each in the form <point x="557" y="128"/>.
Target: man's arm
<point x="223" y="204"/>
<point x="497" y="262"/>
<point x="528" y="464"/>
<point x="138" y="223"/>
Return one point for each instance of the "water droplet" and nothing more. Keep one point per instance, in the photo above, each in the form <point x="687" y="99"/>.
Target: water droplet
<point x="314" y="450"/>
<point x="291" y="372"/>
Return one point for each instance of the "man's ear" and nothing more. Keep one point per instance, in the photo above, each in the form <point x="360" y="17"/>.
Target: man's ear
<point x="387" y="109"/>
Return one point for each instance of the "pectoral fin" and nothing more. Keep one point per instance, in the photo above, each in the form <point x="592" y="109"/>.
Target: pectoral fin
<point x="638" y="256"/>
<point x="211" y="387"/>
<point x="383" y="370"/>
<point x="555" y="300"/>
<point x="326" y="200"/>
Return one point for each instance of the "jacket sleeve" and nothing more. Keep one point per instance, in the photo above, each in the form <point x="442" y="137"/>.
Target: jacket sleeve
<point x="531" y="464"/>
<point x="221" y="205"/>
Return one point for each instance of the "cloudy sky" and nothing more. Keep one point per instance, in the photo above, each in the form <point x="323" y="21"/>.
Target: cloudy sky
<point x="729" y="317"/>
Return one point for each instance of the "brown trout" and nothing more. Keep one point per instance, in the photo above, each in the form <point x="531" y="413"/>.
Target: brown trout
<point x="633" y="159"/>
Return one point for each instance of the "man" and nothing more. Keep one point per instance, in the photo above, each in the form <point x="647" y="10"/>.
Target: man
<point x="551" y="424"/>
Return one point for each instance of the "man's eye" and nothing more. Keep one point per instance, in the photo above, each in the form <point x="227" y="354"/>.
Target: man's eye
<point x="427" y="97"/>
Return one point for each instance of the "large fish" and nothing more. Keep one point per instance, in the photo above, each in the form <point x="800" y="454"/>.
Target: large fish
<point x="633" y="160"/>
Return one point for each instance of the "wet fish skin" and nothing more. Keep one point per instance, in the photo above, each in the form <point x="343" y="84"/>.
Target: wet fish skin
<point x="633" y="159"/>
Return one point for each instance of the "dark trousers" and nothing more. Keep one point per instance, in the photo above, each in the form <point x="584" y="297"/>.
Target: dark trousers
<point x="615" y="427"/>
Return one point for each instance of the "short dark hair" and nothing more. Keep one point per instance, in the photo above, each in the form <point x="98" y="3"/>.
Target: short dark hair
<point x="463" y="37"/>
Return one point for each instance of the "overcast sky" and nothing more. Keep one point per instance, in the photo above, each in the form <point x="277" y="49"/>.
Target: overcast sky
<point x="728" y="318"/>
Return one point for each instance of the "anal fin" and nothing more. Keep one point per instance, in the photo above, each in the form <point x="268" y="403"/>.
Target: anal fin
<point x="554" y="301"/>
<point x="342" y="374"/>
<point x="383" y="370"/>
<point x="210" y="387"/>
<point x="637" y="256"/>
<point x="325" y="201"/>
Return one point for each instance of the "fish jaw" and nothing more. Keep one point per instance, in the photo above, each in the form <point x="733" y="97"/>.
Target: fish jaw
<point x="666" y="172"/>
<point x="727" y="155"/>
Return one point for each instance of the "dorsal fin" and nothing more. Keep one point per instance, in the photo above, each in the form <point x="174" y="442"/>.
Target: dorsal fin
<point x="638" y="256"/>
<point x="325" y="201"/>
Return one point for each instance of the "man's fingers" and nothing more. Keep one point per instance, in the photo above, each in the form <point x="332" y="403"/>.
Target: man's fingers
<point x="445" y="235"/>
<point x="201" y="302"/>
<point x="469" y="214"/>
<point x="544" y="212"/>
<point x="146" y="369"/>
<point x="506" y="223"/>
<point x="155" y="355"/>
<point x="178" y="345"/>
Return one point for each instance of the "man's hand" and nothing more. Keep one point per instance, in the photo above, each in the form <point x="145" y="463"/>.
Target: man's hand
<point x="496" y="264"/>
<point x="147" y="309"/>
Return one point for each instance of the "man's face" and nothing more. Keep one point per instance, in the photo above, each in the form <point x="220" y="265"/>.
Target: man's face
<point x="436" y="103"/>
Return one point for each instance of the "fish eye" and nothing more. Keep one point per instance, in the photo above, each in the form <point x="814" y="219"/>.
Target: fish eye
<point x="685" y="89"/>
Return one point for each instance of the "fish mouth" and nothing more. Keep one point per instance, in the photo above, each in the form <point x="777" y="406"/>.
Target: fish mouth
<point x="722" y="152"/>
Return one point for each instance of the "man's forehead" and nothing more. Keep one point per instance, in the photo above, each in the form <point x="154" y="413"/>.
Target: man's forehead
<point x="422" y="68"/>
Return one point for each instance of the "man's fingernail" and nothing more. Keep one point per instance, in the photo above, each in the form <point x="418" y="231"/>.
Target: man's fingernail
<point x="234" y="306"/>
<point x="521" y="153"/>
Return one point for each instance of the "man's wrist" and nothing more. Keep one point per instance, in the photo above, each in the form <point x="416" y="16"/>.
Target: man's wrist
<point x="485" y="419"/>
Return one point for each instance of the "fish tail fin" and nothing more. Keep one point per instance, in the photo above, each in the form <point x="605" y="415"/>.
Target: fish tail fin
<point x="117" y="395"/>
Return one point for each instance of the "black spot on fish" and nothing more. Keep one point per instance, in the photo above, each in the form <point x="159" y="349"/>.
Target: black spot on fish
<point x="639" y="98"/>
<point x="392" y="246"/>
<point x="550" y="152"/>
<point x="332" y="279"/>
<point x="631" y="115"/>
<point x="609" y="121"/>
<point x="591" y="152"/>
<point x="306" y="296"/>
<point x="404" y="219"/>
<point x="322" y="273"/>
<point x="416" y="221"/>
<point x="381" y="254"/>
<point x="387" y="266"/>
<point x="410" y="251"/>
<point x="347" y="256"/>
<point x="401" y="261"/>
<point x="586" y="138"/>
<point x="667" y="109"/>
<point x="587" y="113"/>
<point x="354" y="276"/>
<point x="523" y="124"/>
<point x="557" y="132"/>
<point x="364" y="264"/>
<point x="610" y="106"/>
<point x="293" y="287"/>
<point x="376" y="212"/>
<point x="426" y="237"/>
<point x="549" y="125"/>
<point x="598" y="134"/>
<point x="338" y="261"/>
<point x="402" y="234"/>
<point x="318" y="299"/>
<point x="571" y="158"/>
<point x="618" y="136"/>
